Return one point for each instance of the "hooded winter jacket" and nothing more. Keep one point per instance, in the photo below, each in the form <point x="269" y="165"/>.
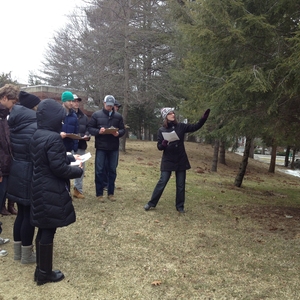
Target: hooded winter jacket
<point x="5" y="146"/>
<point x="174" y="156"/>
<point x="51" y="200"/>
<point x="22" y="124"/>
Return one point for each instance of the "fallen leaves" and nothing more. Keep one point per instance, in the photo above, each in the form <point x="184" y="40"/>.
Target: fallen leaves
<point x="156" y="282"/>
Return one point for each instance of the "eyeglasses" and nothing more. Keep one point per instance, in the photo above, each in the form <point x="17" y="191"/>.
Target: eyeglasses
<point x="171" y="113"/>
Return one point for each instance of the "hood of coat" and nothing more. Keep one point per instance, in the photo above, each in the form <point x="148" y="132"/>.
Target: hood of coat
<point x="20" y="116"/>
<point x="50" y="115"/>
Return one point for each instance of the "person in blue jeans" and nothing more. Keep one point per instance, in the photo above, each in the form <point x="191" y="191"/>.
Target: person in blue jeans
<point x="107" y="145"/>
<point x="174" y="157"/>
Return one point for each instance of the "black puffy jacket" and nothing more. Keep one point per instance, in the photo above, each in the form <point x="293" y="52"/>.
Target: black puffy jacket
<point x="100" y="119"/>
<point x="51" y="200"/>
<point x="22" y="124"/>
<point x="83" y="130"/>
<point x="5" y="146"/>
<point x="174" y="156"/>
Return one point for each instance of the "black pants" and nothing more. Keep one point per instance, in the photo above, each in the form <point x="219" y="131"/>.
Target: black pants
<point x="23" y="230"/>
<point x="46" y="236"/>
<point x="161" y="184"/>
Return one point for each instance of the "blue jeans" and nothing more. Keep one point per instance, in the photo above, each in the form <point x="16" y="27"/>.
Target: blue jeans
<point x="161" y="184"/>
<point x="3" y="189"/>
<point x="112" y="159"/>
<point x="78" y="182"/>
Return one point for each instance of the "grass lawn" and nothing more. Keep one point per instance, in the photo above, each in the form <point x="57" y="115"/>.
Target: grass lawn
<point x="232" y="243"/>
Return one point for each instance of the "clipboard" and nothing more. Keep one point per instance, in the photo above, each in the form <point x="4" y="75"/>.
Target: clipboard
<point x="110" y="130"/>
<point x="74" y="136"/>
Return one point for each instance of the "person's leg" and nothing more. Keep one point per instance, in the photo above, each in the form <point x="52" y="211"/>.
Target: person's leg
<point x="45" y="272"/>
<point x="3" y="188"/>
<point x="180" y="190"/>
<point x="112" y="170"/>
<point x="17" y="232"/>
<point x="99" y="167"/>
<point x="105" y="175"/>
<point x="78" y="182"/>
<point x="27" y="230"/>
<point x="158" y="190"/>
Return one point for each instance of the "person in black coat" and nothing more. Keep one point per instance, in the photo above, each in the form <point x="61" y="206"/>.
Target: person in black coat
<point x="22" y="124"/>
<point x="51" y="200"/>
<point x="106" y="144"/>
<point x="174" y="156"/>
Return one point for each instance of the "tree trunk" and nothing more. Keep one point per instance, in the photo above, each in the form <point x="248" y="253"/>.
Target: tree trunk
<point x="273" y="157"/>
<point x="215" y="157"/>
<point x="243" y="166"/>
<point x="126" y="74"/>
<point x="222" y="153"/>
<point x="251" y="152"/>
<point x="287" y="156"/>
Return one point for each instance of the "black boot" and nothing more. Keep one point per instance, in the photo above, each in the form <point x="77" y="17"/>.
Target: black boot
<point x="37" y="254"/>
<point x="45" y="273"/>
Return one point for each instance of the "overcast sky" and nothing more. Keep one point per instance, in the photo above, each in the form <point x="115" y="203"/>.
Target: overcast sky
<point x="26" y="29"/>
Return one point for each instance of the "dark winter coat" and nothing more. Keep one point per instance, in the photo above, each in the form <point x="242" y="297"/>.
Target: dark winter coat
<point x="22" y="124"/>
<point x="70" y="125"/>
<point x="174" y="156"/>
<point x="51" y="200"/>
<point x="100" y="119"/>
<point x="5" y="146"/>
<point x="83" y="130"/>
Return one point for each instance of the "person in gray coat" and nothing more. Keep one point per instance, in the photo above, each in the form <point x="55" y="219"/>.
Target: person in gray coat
<point x="51" y="205"/>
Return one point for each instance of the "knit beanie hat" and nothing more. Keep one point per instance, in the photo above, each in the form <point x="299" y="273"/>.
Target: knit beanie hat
<point x="28" y="100"/>
<point x="165" y="111"/>
<point x="67" y="96"/>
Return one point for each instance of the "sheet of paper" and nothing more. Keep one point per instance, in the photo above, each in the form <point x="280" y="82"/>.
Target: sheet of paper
<point x="170" y="136"/>
<point x="83" y="157"/>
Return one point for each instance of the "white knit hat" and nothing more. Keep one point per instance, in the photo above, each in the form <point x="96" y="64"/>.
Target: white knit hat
<point x="165" y="111"/>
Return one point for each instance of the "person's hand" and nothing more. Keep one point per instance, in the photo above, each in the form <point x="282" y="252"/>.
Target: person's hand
<point x="77" y="156"/>
<point x="115" y="133"/>
<point x="86" y="137"/>
<point x="0" y="178"/>
<point x="164" y="143"/>
<point x="102" y="129"/>
<point x="206" y="114"/>
<point x="63" y="135"/>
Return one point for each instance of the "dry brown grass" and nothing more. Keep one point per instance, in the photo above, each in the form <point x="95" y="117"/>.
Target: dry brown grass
<point x="233" y="243"/>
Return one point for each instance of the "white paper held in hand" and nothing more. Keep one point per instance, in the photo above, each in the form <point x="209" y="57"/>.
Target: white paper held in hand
<point x="83" y="157"/>
<point x="170" y="136"/>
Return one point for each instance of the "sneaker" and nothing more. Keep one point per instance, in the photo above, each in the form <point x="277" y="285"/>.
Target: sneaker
<point x="112" y="198"/>
<point x="3" y="241"/>
<point x="147" y="207"/>
<point x="181" y="211"/>
<point x="101" y="199"/>
<point x="3" y="252"/>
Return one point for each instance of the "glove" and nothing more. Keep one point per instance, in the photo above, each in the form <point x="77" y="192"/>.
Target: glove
<point x="206" y="114"/>
<point x="164" y="143"/>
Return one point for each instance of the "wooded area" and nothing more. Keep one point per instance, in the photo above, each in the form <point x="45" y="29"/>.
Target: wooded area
<point x="240" y="58"/>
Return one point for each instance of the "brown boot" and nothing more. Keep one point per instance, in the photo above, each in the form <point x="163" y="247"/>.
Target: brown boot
<point x="77" y="194"/>
<point x="11" y="208"/>
<point x="5" y="212"/>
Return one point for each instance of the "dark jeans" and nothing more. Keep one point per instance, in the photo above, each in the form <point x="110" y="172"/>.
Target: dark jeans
<point x="45" y="235"/>
<point x="23" y="230"/>
<point x="112" y="160"/>
<point x="161" y="184"/>
<point x="3" y="189"/>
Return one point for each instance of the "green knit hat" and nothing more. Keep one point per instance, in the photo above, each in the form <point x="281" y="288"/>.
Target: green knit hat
<point x="67" y="96"/>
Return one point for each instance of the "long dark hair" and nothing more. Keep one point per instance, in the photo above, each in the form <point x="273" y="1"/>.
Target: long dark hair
<point x="165" y="123"/>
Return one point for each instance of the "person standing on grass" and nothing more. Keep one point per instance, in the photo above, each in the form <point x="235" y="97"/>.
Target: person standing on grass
<point x="174" y="157"/>
<point x="107" y="145"/>
<point x="70" y="122"/>
<point x="22" y="124"/>
<point x="9" y="95"/>
<point x="51" y="203"/>
<point x="82" y="144"/>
